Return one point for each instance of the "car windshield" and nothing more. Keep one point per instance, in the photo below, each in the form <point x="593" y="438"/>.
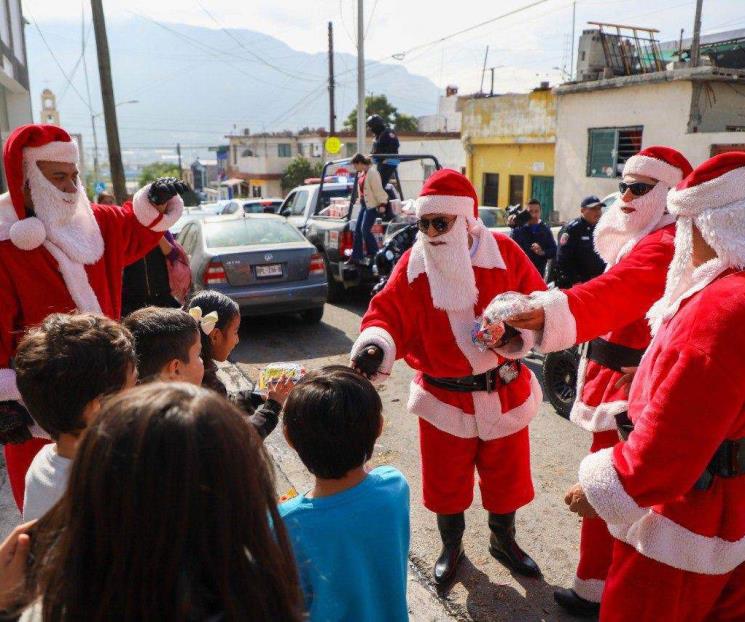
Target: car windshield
<point x="250" y="232"/>
<point x="489" y="217"/>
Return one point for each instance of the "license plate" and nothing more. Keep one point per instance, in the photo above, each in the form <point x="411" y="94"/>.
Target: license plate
<point x="268" y="271"/>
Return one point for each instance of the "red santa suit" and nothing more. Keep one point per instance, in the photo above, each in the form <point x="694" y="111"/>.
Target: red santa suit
<point x="609" y="312"/>
<point x="54" y="262"/>
<point x="680" y="545"/>
<point x="426" y="315"/>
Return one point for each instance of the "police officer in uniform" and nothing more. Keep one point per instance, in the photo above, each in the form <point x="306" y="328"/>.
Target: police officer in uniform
<point x="386" y="142"/>
<point x="576" y="260"/>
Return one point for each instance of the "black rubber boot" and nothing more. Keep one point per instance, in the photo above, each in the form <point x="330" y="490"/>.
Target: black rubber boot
<point x="451" y="528"/>
<point x="571" y="602"/>
<point x="504" y="549"/>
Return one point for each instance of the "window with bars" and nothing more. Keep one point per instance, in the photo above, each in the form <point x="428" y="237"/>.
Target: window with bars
<point x="609" y="148"/>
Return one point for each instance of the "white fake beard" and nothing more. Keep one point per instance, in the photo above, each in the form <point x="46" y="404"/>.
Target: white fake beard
<point x="617" y="232"/>
<point x="67" y="218"/>
<point x="449" y="270"/>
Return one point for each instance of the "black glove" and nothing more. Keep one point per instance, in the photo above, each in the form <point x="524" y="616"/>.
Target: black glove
<point x="509" y="333"/>
<point x="165" y="188"/>
<point x="14" y="423"/>
<point x="369" y="360"/>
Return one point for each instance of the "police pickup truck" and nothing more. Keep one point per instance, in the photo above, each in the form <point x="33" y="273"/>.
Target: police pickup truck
<point x="326" y="210"/>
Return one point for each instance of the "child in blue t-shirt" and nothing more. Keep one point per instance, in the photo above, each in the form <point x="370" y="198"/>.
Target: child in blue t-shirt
<point x="350" y="533"/>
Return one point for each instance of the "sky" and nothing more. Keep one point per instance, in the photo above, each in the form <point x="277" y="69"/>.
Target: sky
<point x="525" y="48"/>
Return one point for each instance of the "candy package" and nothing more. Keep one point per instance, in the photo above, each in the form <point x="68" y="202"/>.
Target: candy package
<point x="506" y="305"/>
<point x="485" y="337"/>
<point x="274" y="371"/>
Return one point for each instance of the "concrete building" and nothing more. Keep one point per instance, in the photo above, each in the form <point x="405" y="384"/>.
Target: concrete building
<point x="259" y="160"/>
<point x="15" y="99"/>
<point x="509" y="142"/>
<point x="601" y="123"/>
<point x="448" y="117"/>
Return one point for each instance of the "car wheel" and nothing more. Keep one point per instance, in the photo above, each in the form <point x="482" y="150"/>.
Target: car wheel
<point x="312" y="316"/>
<point x="560" y="379"/>
<point x="336" y="290"/>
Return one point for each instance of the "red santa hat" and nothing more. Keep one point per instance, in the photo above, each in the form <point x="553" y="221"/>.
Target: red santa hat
<point x="448" y="192"/>
<point x="27" y="145"/>
<point x="662" y="163"/>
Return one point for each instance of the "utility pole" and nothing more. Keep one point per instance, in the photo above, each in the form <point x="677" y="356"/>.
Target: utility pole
<point x="360" y="77"/>
<point x="96" y="178"/>
<point x="574" y="26"/>
<point x="483" y="70"/>
<point x="332" y="112"/>
<point x="491" y="89"/>
<point x="696" y="41"/>
<point x="180" y="168"/>
<point x="109" y="107"/>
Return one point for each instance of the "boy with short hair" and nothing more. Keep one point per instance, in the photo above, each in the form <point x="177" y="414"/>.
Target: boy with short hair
<point x="168" y="345"/>
<point x="350" y="533"/>
<point x="64" y="369"/>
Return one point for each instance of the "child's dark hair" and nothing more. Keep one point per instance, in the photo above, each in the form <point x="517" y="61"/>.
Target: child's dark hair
<point x="160" y="335"/>
<point x="227" y="310"/>
<point x="360" y="158"/>
<point x="170" y="514"/>
<point x="68" y="361"/>
<point x="333" y="418"/>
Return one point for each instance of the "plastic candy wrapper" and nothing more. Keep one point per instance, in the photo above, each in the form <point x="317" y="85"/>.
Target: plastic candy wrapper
<point x="274" y="371"/>
<point x="506" y="305"/>
<point x="290" y="494"/>
<point x="485" y="337"/>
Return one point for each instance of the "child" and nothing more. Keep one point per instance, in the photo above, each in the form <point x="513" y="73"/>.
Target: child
<point x="169" y="515"/>
<point x="220" y="320"/>
<point x="168" y="345"/>
<point x="350" y="533"/>
<point x="64" y="368"/>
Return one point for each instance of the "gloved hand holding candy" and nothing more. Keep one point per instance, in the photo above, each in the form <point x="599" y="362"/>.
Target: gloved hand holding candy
<point x="491" y="331"/>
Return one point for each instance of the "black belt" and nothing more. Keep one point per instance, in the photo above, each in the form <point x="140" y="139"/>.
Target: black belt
<point x="728" y="461"/>
<point x="488" y="381"/>
<point x="613" y="355"/>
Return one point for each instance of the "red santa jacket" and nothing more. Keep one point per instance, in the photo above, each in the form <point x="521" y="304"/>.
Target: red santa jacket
<point x="33" y="284"/>
<point x="688" y="396"/>
<point x="612" y="306"/>
<point x="403" y="321"/>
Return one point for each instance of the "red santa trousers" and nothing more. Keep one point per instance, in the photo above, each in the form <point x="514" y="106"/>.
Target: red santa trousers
<point x="595" y="542"/>
<point x="449" y="462"/>
<point x="18" y="459"/>
<point x="641" y="589"/>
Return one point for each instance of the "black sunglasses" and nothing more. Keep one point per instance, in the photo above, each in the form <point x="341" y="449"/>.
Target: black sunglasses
<point x="638" y="188"/>
<point x="440" y="224"/>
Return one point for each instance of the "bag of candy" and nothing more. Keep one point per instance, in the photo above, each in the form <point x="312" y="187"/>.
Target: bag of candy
<point x="274" y="371"/>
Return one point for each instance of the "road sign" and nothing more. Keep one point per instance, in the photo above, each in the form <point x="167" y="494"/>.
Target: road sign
<point x="333" y="144"/>
<point x="100" y="187"/>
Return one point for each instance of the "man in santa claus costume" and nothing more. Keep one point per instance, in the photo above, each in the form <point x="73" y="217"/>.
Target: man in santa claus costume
<point x="673" y="493"/>
<point x="474" y="403"/>
<point x="60" y="253"/>
<point x="635" y="239"/>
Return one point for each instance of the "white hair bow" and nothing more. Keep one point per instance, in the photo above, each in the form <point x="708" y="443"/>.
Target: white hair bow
<point x="206" y="322"/>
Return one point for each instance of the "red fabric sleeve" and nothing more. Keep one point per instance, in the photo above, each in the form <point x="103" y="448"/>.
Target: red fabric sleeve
<point x="136" y="240"/>
<point x="693" y="407"/>
<point x="624" y="293"/>
<point x="9" y="319"/>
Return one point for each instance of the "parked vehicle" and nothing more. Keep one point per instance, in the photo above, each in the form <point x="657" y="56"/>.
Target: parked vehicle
<point x="259" y="260"/>
<point x="311" y="208"/>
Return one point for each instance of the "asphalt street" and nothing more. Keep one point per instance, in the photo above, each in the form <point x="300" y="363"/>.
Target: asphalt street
<point x="484" y="589"/>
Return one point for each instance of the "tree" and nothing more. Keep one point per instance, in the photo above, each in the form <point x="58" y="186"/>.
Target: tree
<point x="298" y="170"/>
<point x="379" y="104"/>
<point x="151" y="172"/>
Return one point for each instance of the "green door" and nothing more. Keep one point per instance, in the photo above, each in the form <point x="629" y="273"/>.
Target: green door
<point x="542" y="188"/>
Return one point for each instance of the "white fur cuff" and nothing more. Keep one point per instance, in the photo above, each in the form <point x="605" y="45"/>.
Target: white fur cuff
<point x="589" y="589"/>
<point x="604" y="490"/>
<point x="559" y="328"/>
<point x="377" y="336"/>
<point x="150" y="217"/>
<point x="8" y="387"/>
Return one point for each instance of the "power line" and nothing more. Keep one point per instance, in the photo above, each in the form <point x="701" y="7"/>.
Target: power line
<point x="369" y="19"/>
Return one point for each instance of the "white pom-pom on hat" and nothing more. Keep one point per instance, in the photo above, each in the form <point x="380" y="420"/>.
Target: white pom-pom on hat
<point x="28" y="234"/>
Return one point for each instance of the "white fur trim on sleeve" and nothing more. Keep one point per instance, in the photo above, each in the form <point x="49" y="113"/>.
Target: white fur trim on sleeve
<point x="377" y="336"/>
<point x="654" y="168"/>
<point x="604" y="490"/>
<point x="8" y="387"/>
<point x="518" y="347"/>
<point x="149" y="216"/>
<point x="559" y="328"/>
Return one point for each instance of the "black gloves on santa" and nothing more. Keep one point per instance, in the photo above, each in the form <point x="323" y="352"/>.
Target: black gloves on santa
<point x="14" y="424"/>
<point x="165" y="188"/>
<point x="368" y="361"/>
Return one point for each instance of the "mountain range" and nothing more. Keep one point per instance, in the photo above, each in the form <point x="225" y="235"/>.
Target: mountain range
<point x="192" y="85"/>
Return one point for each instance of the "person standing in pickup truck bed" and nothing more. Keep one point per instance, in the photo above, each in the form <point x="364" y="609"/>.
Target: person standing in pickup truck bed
<point x="386" y="142"/>
<point x="373" y="202"/>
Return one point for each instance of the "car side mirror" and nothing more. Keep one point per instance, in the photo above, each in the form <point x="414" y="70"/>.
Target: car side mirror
<point x="285" y="212"/>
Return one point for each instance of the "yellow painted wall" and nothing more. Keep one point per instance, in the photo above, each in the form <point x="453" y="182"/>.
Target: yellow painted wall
<point x="528" y="160"/>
